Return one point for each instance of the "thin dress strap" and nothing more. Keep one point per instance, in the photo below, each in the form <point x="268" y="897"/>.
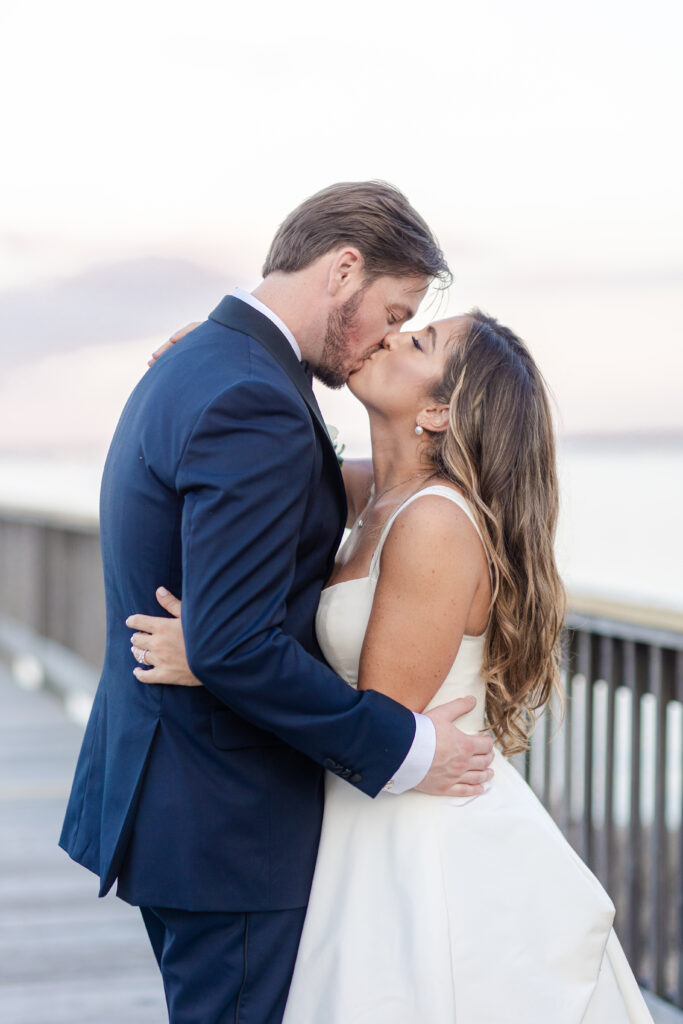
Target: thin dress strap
<point x="445" y="492"/>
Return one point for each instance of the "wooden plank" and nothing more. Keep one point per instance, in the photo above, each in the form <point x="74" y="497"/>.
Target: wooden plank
<point x="65" y="956"/>
<point x="647" y="615"/>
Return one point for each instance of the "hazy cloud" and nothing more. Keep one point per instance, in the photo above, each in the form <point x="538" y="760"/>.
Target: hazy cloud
<point x="596" y="279"/>
<point x="113" y="302"/>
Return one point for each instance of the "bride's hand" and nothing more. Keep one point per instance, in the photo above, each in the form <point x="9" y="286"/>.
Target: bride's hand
<point x="159" y="646"/>
<point x="171" y="341"/>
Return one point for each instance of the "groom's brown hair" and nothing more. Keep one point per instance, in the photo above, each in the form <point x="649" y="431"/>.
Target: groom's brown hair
<point x="374" y="217"/>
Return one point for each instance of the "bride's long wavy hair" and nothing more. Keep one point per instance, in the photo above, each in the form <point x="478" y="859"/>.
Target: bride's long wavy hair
<point x="499" y="449"/>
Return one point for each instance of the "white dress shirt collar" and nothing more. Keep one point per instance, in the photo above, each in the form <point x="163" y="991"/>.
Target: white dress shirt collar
<point x="251" y="300"/>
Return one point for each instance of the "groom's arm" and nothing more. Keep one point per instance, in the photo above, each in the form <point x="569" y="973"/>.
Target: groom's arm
<point x="246" y="475"/>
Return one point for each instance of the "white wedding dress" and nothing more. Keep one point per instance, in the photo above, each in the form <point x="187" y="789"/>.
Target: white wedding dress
<point x="438" y="910"/>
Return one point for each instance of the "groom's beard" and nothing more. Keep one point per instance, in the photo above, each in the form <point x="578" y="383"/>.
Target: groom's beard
<point x="335" y="362"/>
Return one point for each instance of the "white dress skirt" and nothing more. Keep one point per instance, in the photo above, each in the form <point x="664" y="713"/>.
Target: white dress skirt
<point x="439" y="910"/>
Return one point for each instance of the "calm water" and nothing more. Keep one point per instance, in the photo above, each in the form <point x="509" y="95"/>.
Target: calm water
<point x="620" y="530"/>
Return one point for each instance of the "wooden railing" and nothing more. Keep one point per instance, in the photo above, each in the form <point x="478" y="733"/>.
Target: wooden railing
<point x="611" y="778"/>
<point x="51" y="579"/>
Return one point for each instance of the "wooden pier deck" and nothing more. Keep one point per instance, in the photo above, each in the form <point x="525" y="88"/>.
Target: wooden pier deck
<point x="65" y="956"/>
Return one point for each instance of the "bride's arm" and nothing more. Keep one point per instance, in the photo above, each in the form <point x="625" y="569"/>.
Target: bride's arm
<point x="178" y="336"/>
<point x="433" y="588"/>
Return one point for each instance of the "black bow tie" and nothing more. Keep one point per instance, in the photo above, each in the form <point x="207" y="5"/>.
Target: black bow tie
<point x="307" y="370"/>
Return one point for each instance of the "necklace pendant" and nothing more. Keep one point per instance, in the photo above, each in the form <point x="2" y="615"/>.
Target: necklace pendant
<point x="360" y="523"/>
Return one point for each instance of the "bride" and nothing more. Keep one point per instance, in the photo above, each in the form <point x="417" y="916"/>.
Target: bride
<point x="434" y="910"/>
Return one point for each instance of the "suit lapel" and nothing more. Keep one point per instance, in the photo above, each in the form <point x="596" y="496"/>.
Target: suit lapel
<point x="239" y="316"/>
<point x="232" y="312"/>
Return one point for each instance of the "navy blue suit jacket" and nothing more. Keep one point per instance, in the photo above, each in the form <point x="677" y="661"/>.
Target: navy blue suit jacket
<point x="221" y="483"/>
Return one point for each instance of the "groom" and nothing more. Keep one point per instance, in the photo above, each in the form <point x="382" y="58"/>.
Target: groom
<point x="205" y="803"/>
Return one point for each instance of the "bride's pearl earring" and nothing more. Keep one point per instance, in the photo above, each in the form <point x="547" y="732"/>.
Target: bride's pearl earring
<point x="419" y="430"/>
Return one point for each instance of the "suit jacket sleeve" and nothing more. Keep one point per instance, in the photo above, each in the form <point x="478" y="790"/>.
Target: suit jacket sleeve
<point x="245" y="476"/>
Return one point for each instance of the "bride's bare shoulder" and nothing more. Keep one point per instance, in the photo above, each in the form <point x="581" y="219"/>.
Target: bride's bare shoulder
<point x="434" y="559"/>
<point x="434" y="532"/>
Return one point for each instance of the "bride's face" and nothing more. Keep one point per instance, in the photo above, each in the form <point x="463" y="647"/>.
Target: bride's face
<point x="398" y="378"/>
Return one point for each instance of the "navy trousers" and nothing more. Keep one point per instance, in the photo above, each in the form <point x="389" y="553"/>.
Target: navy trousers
<point x="225" y="968"/>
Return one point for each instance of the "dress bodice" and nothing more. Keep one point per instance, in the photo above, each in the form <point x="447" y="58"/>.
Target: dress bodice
<point x="344" y="612"/>
<point x="439" y="908"/>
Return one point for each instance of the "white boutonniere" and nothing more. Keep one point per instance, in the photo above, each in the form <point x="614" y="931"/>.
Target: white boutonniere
<point x="336" y="443"/>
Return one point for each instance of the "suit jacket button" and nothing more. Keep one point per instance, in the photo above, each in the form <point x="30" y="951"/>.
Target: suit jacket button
<point x="356" y="778"/>
<point x="330" y="764"/>
<point x="346" y="773"/>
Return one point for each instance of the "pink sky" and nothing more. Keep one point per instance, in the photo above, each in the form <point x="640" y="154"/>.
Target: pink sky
<point x="155" y="147"/>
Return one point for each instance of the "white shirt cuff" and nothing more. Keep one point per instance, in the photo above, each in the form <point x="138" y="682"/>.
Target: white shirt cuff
<point x="418" y="760"/>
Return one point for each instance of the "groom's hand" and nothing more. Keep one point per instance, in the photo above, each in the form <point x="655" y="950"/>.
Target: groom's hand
<point x="461" y="761"/>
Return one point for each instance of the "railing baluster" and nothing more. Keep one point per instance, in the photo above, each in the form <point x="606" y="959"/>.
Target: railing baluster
<point x="571" y="657"/>
<point x="642" y="867"/>
<point x="670" y="863"/>
<point x="657" y="916"/>
<point x="610" y="651"/>
<point x="585" y="666"/>
<point x="678" y="865"/>
<point x="631" y="935"/>
<point x="547" y="765"/>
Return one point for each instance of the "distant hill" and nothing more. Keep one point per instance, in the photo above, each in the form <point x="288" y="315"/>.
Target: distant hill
<point x="625" y="439"/>
<point x="111" y="302"/>
<point x="73" y="348"/>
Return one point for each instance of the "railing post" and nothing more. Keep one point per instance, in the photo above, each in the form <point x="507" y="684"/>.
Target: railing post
<point x="678" y="874"/>
<point x="585" y="667"/>
<point x="659" y="851"/>
<point x="570" y="661"/>
<point x="633" y="856"/>
<point x="611" y="667"/>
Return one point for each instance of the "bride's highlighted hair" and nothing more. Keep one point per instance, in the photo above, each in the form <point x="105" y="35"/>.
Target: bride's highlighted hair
<point x="499" y="449"/>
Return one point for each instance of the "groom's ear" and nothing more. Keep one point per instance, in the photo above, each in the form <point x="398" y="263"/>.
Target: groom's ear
<point x="345" y="271"/>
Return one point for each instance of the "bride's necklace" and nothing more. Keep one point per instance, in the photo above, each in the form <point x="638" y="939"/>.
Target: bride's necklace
<point x="375" y="498"/>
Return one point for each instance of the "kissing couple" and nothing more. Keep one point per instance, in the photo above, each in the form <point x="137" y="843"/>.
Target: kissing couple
<point x="303" y="784"/>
